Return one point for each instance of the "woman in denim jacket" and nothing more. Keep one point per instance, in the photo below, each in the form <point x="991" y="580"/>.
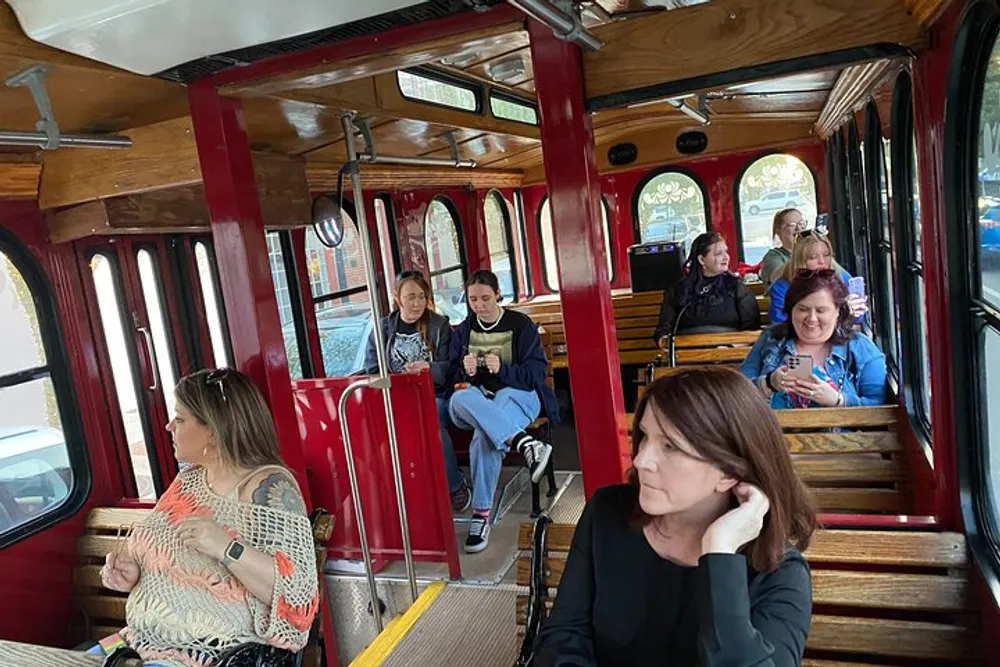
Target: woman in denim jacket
<point x="848" y="370"/>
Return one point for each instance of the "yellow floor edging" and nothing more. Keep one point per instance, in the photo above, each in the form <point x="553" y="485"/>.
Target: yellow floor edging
<point x="390" y="637"/>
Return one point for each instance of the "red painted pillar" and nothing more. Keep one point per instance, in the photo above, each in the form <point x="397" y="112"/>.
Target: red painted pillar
<point x="575" y="192"/>
<point x="241" y="252"/>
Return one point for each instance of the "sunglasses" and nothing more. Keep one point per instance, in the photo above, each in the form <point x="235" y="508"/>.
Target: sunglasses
<point x="805" y="274"/>
<point x="217" y="378"/>
<point x="811" y="234"/>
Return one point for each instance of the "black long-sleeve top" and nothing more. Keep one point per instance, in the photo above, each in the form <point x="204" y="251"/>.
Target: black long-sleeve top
<point x="732" y="307"/>
<point x="620" y="604"/>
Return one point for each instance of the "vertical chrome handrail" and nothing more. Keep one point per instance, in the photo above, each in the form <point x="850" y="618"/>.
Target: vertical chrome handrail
<point x="352" y="476"/>
<point x="347" y="121"/>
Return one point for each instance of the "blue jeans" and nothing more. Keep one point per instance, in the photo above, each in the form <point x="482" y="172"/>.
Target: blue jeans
<point x="495" y="422"/>
<point x="455" y="477"/>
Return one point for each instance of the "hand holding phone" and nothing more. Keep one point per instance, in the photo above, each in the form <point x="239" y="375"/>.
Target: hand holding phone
<point x="856" y="286"/>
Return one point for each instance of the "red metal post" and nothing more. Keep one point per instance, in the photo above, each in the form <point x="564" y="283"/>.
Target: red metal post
<point x="575" y="192"/>
<point x="241" y="253"/>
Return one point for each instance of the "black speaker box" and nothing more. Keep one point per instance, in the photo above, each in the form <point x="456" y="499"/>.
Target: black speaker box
<point x="655" y="266"/>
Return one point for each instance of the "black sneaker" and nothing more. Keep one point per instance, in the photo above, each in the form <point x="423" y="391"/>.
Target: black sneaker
<point x="461" y="499"/>
<point x="536" y="456"/>
<point x="479" y="534"/>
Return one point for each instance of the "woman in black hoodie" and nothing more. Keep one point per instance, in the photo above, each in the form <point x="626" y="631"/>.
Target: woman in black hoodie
<point x="418" y="339"/>
<point x="708" y="299"/>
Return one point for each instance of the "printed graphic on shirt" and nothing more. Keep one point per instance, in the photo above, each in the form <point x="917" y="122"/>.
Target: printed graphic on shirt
<point x="407" y="348"/>
<point x="500" y="343"/>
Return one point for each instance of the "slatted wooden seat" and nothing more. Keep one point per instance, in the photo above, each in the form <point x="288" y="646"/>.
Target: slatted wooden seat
<point x="860" y="470"/>
<point x="879" y="597"/>
<point x="635" y="320"/>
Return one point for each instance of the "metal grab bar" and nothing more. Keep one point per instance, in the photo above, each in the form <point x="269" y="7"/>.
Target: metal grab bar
<point x="352" y="475"/>
<point x="347" y="121"/>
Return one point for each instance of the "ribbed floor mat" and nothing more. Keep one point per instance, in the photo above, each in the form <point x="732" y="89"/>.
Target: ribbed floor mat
<point x="467" y="625"/>
<point x="571" y="503"/>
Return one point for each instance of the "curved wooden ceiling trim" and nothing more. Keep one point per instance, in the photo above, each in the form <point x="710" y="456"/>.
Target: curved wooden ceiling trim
<point x="853" y="89"/>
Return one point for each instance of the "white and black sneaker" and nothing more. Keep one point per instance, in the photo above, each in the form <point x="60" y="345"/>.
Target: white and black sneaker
<point x="479" y="534"/>
<point x="536" y="456"/>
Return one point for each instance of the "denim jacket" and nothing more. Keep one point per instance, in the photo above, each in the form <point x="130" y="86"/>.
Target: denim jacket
<point x="857" y="367"/>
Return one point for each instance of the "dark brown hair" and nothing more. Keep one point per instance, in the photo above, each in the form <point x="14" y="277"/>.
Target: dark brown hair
<point x="809" y="282"/>
<point x="424" y="323"/>
<point x="728" y="423"/>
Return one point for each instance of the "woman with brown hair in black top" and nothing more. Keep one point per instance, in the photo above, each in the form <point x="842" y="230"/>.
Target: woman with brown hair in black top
<point x="697" y="560"/>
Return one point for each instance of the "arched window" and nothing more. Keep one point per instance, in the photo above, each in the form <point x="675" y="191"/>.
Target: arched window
<point x="549" y="244"/>
<point x="768" y="185"/>
<point x="500" y="243"/>
<point x="670" y="205"/>
<point x="43" y="469"/>
<point x="339" y="287"/>
<point x="446" y="259"/>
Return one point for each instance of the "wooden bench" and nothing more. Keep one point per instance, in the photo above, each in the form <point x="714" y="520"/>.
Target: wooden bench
<point x="636" y="316"/>
<point x="879" y="597"/>
<point x="861" y="471"/>
<point x="99" y="612"/>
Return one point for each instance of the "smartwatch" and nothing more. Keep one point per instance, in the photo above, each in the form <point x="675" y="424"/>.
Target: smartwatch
<point x="233" y="553"/>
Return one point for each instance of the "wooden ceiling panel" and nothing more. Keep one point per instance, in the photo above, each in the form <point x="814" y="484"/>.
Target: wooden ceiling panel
<point x="482" y="70"/>
<point x="409" y="138"/>
<point x="289" y="126"/>
<point x="769" y="102"/>
<point x="736" y="35"/>
<point x="805" y="82"/>
<point x="489" y="148"/>
<point x="927" y="11"/>
<point x="515" y="41"/>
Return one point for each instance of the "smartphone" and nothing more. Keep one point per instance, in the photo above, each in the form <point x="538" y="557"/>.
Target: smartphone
<point x="800" y="366"/>
<point x="856" y="285"/>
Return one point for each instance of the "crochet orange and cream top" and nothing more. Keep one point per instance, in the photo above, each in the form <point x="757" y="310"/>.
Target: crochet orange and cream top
<point x="187" y="608"/>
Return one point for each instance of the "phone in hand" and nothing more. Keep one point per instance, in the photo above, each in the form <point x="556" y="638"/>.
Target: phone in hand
<point x="856" y="286"/>
<point x="800" y="366"/>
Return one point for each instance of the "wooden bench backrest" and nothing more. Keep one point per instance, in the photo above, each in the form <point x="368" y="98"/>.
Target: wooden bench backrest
<point x="99" y="612"/>
<point x="905" y="595"/>
<point x="858" y="471"/>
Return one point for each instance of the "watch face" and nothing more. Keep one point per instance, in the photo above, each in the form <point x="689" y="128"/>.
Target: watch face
<point x="235" y="550"/>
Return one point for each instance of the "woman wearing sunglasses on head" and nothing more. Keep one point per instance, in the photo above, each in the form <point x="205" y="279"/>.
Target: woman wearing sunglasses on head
<point x="417" y="339"/>
<point x="815" y="359"/>
<point x="812" y="251"/>
<point x="225" y="562"/>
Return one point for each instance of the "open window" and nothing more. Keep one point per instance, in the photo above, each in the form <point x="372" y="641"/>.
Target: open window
<point x="446" y="259"/>
<point x="549" y="262"/>
<point x="432" y="87"/>
<point x="670" y="205"/>
<point x="500" y="243"/>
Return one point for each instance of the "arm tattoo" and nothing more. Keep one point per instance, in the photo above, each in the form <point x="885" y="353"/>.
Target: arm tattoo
<point x="277" y="490"/>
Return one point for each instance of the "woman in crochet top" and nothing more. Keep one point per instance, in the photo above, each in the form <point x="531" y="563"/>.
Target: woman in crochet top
<point x="226" y="557"/>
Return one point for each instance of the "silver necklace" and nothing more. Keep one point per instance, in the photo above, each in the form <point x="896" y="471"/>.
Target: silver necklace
<point x="492" y="326"/>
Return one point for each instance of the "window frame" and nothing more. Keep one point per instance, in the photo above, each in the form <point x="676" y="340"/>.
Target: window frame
<point x="213" y="266"/>
<point x="522" y="221"/>
<point x="857" y="205"/>
<point x="426" y="72"/>
<point x="508" y="238"/>
<point x="57" y="369"/>
<point x="456" y="220"/>
<point x="881" y="249"/>
<point x="541" y="244"/>
<point x="348" y="207"/>
<point x="909" y="270"/>
<point x="504" y="96"/>
<point x="288" y="259"/>
<point x="757" y="157"/>
<point x="648" y="178"/>
<point x="969" y="316"/>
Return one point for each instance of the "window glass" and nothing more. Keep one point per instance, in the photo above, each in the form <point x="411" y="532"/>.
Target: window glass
<point x="422" y="88"/>
<point x="213" y="311"/>
<point x="991" y="410"/>
<point x="148" y="276"/>
<point x="549" y="244"/>
<point x="496" y="241"/>
<point x="915" y="175"/>
<point x="106" y="286"/>
<point x="340" y="294"/>
<point x="772" y="183"/>
<point x="989" y="183"/>
<point x="671" y="208"/>
<point x="444" y="259"/>
<point x="389" y="268"/>
<point x="35" y="472"/>
<point x="276" y="259"/>
<point x="507" y="109"/>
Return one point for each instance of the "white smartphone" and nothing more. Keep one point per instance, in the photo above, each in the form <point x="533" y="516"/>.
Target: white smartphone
<point x="856" y="285"/>
<point x="800" y="366"/>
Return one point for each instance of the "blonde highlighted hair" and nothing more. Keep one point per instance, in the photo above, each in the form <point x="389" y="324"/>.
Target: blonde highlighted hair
<point x="800" y="253"/>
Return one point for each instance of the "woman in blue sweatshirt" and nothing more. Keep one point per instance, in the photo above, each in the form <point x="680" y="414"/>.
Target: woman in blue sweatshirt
<point x="499" y="369"/>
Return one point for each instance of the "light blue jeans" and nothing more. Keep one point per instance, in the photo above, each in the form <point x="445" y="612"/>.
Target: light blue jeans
<point x="495" y="422"/>
<point x="455" y="477"/>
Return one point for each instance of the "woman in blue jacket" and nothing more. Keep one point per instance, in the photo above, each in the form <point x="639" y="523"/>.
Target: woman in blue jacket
<point x="498" y="371"/>
<point x="418" y="339"/>
<point x="847" y="368"/>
